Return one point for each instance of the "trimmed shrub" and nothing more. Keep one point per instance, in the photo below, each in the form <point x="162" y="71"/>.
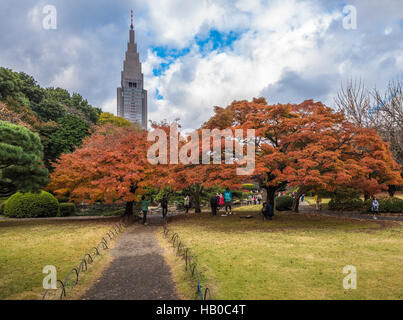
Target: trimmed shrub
<point x="345" y="205"/>
<point x="391" y="205"/>
<point x="284" y="203"/>
<point x="2" y="205"/>
<point x="31" y="205"/>
<point x="67" y="209"/>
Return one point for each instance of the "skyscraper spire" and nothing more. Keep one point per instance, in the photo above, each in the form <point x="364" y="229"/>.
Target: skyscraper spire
<point x="131" y="96"/>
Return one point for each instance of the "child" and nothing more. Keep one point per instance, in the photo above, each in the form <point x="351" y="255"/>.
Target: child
<point x="144" y="208"/>
<point x="221" y="201"/>
<point x="375" y="208"/>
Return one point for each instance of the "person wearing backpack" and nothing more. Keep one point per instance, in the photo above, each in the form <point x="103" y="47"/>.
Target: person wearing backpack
<point x="227" y="200"/>
<point x="164" y="206"/>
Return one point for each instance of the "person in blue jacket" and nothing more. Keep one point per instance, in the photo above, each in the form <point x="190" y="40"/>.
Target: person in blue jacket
<point x="228" y="200"/>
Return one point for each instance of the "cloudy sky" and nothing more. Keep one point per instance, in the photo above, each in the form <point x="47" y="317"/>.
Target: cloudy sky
<point x="197" y="54"/>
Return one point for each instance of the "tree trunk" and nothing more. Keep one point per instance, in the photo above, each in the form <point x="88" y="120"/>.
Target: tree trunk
<point x="196" y="196"/>
<point x="271" y="193"/>
<point x="295" y="200"/>
<point x="129" y="208"/>
<point x="366" y="197"/>
<point x="392" y="190"/>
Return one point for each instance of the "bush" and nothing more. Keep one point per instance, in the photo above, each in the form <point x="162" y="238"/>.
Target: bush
<point x="345" y="204"/>
<point x="284" y="203"/>
<point x="2" y="204"/>
<point x="67" y="209"/>
<point x="63" y="200"/>
<point x="392" y="205"/>
<point x="31" y="205"/>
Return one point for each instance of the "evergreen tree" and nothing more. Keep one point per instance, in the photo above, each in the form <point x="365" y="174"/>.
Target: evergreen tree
<point x="21" y="160"/>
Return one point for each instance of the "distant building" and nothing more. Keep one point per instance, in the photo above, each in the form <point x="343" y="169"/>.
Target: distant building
<point x="131" y="96"/>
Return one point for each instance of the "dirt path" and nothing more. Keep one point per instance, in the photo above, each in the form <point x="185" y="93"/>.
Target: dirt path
<point x="138" y="270"/>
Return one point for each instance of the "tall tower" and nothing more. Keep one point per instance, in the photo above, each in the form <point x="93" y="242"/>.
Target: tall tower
<point x="131" y="96"/>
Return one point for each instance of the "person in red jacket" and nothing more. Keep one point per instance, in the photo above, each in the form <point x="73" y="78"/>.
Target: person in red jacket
<point x="221" y="201"/>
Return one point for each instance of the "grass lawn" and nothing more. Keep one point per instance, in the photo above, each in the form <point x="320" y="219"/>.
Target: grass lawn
<point x="291" y="257"/>
<point x="311" y="200"/>
<point x="27" y="246"/>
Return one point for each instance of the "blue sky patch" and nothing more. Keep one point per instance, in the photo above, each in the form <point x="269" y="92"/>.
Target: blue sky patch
<point x="158" y="96"/>
<point x="217" y="40"/>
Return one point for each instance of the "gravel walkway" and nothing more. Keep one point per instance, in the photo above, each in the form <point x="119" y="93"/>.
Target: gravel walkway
<point x="138" y="270"/>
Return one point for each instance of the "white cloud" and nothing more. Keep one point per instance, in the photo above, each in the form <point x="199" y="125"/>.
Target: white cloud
<point x="287" y="49"/>
<point x="109" y="106"/>
<point x="282" y="36"/>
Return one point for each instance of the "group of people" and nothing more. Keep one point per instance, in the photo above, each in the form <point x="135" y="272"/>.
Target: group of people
<point x="255" y="198"/>
<point x="164" y="206"/>
<point x="221" y="200"/>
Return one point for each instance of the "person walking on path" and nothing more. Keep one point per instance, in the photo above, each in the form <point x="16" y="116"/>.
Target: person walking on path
<point x="375" y="208"/>
<point x="302" y="198"/>
<point x="144" y="208"/>
<point x="214" y="204"/>
<point x="186" y="203"/>
<point x="164" y="206"/>
<point x="227" y="201"/>
<point x="250" y="200"/>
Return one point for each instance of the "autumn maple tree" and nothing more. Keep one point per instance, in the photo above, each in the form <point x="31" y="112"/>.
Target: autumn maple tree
<point x="110" y="166"/>
<point x="311" y="147"/>
<point x="193" y="177"/>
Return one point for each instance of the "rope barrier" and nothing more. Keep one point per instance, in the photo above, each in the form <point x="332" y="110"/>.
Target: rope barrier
<point x="190" y="266"/>
<point x="72" y="278"/>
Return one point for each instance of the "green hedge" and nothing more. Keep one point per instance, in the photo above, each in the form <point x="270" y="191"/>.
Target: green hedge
<point x="392" y="205"/>
<point x="284" y="203"/>
<point x="345" y="205"/>
<point x="31" y="205"/>
<point x="2" y="205"/>
<point x="67" y="209"/>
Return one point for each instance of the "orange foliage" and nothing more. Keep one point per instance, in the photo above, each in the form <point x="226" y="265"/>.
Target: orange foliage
<point x="111" y="166"/>
<point x="311" y="146"/>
